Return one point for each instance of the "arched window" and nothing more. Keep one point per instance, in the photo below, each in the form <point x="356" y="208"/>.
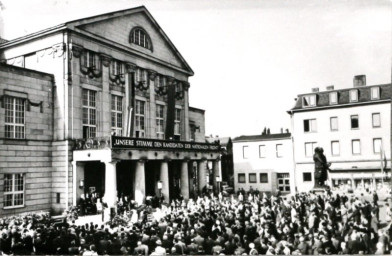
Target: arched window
<point x="140" y="37"/>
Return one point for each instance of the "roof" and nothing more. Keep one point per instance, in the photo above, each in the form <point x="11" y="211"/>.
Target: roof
<point x="74" y="24"/>
<point x="2" y="40"/>
<point x="193" y="109"/>
<point x="26" y="72"/>
<point x="276" y="136"/>
<point x="364" y="96"/>
<point x="223" y="141"/>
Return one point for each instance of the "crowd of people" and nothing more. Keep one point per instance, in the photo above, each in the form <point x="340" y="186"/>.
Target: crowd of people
<point x="250" y="224"/>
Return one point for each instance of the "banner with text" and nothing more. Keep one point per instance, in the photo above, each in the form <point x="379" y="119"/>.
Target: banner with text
<point x="130" y="143"/>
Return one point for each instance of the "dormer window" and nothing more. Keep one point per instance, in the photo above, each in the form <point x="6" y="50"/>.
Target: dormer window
<point x="333" y="98"/>
<point x="309" y="100"/>
<point x="375" y="91"/>
<point x="140" y="37"/>
<point x="353" y="95"/>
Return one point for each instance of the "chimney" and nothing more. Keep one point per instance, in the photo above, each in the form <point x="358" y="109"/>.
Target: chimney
<point x="359" y="80"/>
<point x="316" y="89"/>
<point x="330" y="88"/>
<point x="281" y="130"/>
<point x="287" y="130"/>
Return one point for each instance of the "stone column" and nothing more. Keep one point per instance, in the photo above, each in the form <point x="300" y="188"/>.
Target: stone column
<point x="140" y="182"/>
<point x="152" y="123"/>
<point x="77" y="176"/>
<point x="104" y="123"/>
<point x="202" y="170"/>
<point x="184" y="180"/>
<point x="164" y="177"/>
<point x="110" y="184"/>
<point x="187" y="136"/>
<point x="217" y="173"/>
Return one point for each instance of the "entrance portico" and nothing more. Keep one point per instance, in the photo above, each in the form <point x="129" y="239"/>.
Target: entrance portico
<point x="133" y="167"/>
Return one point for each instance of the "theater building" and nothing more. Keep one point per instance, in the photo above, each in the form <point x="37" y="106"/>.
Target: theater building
<point x="352" y="125"/>
<point x="264" y="162"/>
<point x="122" y="124"/>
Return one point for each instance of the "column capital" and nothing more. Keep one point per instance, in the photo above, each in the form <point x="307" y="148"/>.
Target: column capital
<point x="142" y="159"/>
<point x="130" y="67"/>
<point x="113" y="161"/>
<point x="186" y="85"/>
<point x="151" y="74"/>
<point x="105" y="59"/>
<point x="170" y="80"/>
<point x="76" y="50"/>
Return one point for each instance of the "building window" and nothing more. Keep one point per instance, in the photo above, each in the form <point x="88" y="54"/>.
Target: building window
<point x="241" y="178"/>
<point x="116" y="68"/>
<point x="309" y="101"/>
<point x="89" y="114"/>
<point x="279" y="150"/>
<point x="333" y="98"/>
<point x="375" y="92"/>
<point x="283" y="182"/>
<point x="353" y="95"/>
<point x="91" y="60"/>
<point x="252" y="178"/>
<point x="177" y="124"/>
<point x="307" y="176"/>
<point x="14" y="117"/>
<point x="334" y="123"/>
<point x="310" y="125"/>
<point x="309" y="148"/>
<point x="141" y="75"/>
<point x="117" y="115"/>
<point x="140" y="37"/>
<point x="354" y="122"/>
<point x="356" y="147"/>
<point x="140" y="118"/>
<point x="335" y="148"/>
<point x="14" y="188"/>
<point x="376" y="120"/>
<point x="263" y="177"/>
<point x="377" y="145"/>
<point x="245" y="152"/>
<point x="262" y="151"/>
<point x="159" y="119"/>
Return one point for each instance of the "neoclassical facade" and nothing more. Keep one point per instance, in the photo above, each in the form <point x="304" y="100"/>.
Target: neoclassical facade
<point x="122" y="124"/>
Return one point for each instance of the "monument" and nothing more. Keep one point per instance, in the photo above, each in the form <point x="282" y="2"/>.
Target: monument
<point x="321" y="167"/>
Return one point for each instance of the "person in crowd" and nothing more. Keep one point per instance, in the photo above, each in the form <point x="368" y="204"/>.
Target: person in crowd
<point x="302" y="224"/>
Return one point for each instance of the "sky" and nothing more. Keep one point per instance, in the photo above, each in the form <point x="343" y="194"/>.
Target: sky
<point x="251" y="58"/>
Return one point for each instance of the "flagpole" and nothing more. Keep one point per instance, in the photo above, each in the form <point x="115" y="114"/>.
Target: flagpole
<point x="382" y="164"/>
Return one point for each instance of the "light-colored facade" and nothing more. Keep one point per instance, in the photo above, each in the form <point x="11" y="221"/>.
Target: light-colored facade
<point x="264" y="162"/>
<point x="26" y="140"/>
<point x="352" y="126"/>
<point x="122" y="120"/>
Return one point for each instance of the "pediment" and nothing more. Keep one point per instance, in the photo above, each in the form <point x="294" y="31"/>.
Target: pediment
<point x="116" y="27"/>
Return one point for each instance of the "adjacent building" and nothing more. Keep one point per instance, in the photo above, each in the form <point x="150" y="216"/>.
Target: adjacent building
<point x="352" y="126"/>
<point x="264" y="162"/>
<point x="112" y="119"/>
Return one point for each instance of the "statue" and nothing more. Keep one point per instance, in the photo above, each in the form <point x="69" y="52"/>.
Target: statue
<point x="321" y="167"/>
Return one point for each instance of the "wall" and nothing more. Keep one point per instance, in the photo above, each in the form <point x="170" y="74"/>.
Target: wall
<point x="196" y="116"/>
<point x="271" y="164"/>
<point x="346" y="160"/>
<point x="32" y="155"/>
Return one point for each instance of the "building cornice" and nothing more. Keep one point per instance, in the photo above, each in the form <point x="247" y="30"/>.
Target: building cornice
<point x="260" y="140"/>
<point x="349" y="105"/>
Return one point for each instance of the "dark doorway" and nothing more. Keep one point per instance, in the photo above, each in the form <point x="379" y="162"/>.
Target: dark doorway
<point x="94" y="178"/>
<point x="152" y="171"/>
<point x="174" y="179"/>
<point x="125" y="176"/>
